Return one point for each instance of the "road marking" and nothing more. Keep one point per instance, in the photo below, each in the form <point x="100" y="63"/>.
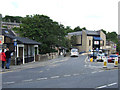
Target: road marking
<point x="76" y="74"/>
<point x="67" y="75"/>
<point x="101" y="71"/>
<point x="40" y="71"/>
<point x="27" y="80"/>
<point x="42" y="78"/>
<point x="94" y="72"/>
<point x="86" y="59"/>
<point x="111" y="84"/>
<point x="106" y="85"/>
<point x="55" y="77"/>
<point x="5" y="72"/>
<point x="8" y="82"/>
<point x="47" y="69"/>
<point x="101" y="87"/>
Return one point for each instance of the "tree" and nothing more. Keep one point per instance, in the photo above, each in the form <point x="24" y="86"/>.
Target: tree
<point x="8" y="18"/>
<point x="42" y="29"/>
<point x="104" y="31"/>
<point x="77" y="29"/>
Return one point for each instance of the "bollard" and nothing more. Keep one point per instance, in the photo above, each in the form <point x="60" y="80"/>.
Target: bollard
<point x="105" y="62"/>
<point x="116" y="62"/>
<point x="91" y="59"/>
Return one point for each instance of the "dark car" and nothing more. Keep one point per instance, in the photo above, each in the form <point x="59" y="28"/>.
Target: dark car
<point x="111" y="58"/>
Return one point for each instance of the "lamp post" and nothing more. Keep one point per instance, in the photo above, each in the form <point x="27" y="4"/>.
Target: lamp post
<point x="15" y="44"/>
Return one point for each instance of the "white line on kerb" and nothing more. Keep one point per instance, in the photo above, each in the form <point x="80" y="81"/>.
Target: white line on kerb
<point x="8" y="82"/>
<point x="41" y="78"/>
<point x="27" y="80"/>
<point x="55" y="77"/>
<point x="67" y="75"/>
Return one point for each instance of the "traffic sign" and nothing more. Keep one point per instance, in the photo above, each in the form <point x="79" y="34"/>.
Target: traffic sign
<point x="15" y="43"/>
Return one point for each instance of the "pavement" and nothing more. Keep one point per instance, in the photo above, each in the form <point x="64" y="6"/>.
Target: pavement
<point x="33" y="64"/>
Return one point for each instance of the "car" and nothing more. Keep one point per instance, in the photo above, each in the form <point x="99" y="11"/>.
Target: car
<point x="111" y="58"/>
<point x="93" y="55"/>
<point x="100" y="57"/>
<point x="74" y="52"/>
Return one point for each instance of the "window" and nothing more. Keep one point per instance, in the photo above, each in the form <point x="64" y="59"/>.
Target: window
<point x="89" y="42"/>
<point x="6" y="32"/>
<point x="103" y="43"/>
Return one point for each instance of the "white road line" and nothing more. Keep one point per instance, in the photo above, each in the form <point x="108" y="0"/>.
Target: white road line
<point x="8" y="82"/>
<point x="55" y="77"/>
<point x="94" y="72"/>
<point x="42" y="78"/>
<point x="86" y="59"/>
<point x="111" y="84"/>
<point x="27" y="80"/>
<point x="76" y="74"/>
<point x="40" y="71"/>
<point x="67" y="75"/>
<point x="101" y="87"/>
<point x="106" y="85"/>
<point x="101" y="71"/>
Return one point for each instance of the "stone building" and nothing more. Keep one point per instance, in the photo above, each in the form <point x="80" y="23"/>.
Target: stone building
<point x="26" y="49"/>
<point x="111" y="47"/>
<point x="88" y="40"/>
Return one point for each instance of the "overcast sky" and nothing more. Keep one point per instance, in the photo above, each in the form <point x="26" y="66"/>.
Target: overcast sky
<point x="92" y="14"/>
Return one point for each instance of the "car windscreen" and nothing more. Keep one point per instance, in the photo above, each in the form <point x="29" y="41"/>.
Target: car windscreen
<point x="113" y="55"/>
<point x="74" y="50"/>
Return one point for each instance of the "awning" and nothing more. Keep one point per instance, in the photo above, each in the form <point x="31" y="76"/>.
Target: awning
<point x="97" y="38"/>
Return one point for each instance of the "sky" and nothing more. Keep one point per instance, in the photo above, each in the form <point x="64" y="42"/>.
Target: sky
<point x="92" y="14"/>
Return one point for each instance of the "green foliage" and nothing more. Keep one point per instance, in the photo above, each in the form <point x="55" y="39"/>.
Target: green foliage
<point x="112" y="36"/>
<point x="104" y="31"/>
<point x="77" y="29"/>
<point x="12" y="18"/>
<point x="42" y="29"/>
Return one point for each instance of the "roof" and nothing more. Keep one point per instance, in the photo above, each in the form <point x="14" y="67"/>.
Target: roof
<point x="88" y="32"/>
<point x="23" y="40"/>
<point x="7" y="32"/>
<point x="75" y="33"/>
<point x="92" y="32"/>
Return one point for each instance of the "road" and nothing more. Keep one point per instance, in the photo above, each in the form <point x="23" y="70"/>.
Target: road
<point x="68" y="72"/>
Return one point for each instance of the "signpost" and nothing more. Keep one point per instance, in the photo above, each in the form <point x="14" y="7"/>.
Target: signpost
<point x="15" y="44"/>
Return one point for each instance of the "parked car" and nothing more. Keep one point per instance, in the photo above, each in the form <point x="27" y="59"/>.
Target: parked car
<point x="100" y="57"/>
<point x="111" y="58"/>
<point x="74" y="52"/>
<point x="118" y="58"/>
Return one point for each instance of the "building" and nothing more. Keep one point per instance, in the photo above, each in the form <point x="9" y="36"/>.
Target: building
<point x="10" y="25"/>
<point x="88" y="40"/>
<point x="26" y="49"/>
<point x="111" y="47"/>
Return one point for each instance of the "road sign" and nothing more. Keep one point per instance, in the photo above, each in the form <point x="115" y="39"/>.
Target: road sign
<point x="15" y="43"/>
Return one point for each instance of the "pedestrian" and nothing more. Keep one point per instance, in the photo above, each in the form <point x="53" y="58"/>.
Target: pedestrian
<point x="8" y="58"/>
<point x="3" y="58"/>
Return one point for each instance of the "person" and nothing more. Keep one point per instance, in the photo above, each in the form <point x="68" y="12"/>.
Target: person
<point x="3" y="58"/>
<point x="8" y="57"/>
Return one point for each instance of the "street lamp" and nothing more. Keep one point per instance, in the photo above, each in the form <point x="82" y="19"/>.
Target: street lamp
<point x="15" y="44"/>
